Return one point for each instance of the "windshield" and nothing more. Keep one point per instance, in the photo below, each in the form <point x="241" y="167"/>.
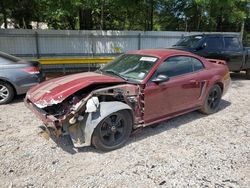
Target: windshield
<point x="190" y="41"/>
<point x="131" y="66"/>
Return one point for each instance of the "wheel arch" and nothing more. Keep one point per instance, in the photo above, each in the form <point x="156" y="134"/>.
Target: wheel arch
<point x="216" y="79"/>
<point x="92" y="120"/>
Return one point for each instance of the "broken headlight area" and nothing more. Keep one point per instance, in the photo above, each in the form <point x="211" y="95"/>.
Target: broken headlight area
<point x="63" y="108"/>
<point x="56" y="110"/>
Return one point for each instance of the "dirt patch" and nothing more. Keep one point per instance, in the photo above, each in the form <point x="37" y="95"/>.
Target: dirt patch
<point x="192" y="150"/>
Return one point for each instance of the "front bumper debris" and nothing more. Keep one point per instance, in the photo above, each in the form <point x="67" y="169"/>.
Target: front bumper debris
<point x="55" y="126"/>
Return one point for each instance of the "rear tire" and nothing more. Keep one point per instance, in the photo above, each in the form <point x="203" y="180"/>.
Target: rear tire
<point x="248" y="74"/>
<point x="212" y="101"/>
<point x="113" y="131"/>
<point x="7" y="93"/>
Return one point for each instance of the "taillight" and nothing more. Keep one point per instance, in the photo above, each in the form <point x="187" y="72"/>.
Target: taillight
<point x="32" y="70"/>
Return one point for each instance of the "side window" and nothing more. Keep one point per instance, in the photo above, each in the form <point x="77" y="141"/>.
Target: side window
<point x="232" y="43"/>
<point x="197" y="65"/>
<point x="175" y="66"/>
<point x="214" y="43"/>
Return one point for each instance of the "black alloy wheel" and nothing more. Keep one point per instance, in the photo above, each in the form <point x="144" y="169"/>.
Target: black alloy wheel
<point x="212" y="101"/>
<point x="113" y="131"/>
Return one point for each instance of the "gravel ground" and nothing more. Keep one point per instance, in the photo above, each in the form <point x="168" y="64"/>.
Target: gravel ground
<point x="192" y="150"/>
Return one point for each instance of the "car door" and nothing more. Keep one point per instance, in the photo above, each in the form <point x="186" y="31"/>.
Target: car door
<point x="213" y="47"/>
<point x="179" y="93"/>
<point x="233" y="53"/>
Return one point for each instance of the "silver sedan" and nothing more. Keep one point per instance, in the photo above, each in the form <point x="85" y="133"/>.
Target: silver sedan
<point x="16" y="76"/>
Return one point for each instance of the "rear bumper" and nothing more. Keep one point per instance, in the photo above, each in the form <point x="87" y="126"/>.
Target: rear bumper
<point x="23" y="86"/>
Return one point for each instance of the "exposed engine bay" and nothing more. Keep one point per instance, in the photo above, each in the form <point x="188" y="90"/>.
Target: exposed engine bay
<point x="76" y="103"/>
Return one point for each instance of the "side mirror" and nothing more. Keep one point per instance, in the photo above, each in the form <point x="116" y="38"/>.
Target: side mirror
<point x="204" y="45"/>
<point x="160" y="78"/>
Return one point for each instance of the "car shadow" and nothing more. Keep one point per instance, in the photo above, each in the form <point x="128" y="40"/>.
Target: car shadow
<point x="18" y="99"/>
<point x="66" y="144"/>
<point x="172" y="123"/>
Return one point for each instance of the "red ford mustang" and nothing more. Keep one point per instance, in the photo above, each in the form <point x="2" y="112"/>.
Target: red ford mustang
<point x="137" y="89"/>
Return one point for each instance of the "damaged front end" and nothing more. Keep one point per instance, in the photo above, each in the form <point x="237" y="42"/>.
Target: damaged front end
<point x="82" y="111"/>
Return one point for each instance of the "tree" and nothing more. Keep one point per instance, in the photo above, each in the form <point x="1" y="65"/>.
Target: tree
<point x="181" y="15"/>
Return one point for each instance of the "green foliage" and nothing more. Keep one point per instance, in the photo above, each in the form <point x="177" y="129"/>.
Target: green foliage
<point x="184" y="15"/>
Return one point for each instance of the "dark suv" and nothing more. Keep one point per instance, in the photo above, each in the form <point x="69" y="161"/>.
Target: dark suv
<point x="226" y="47"/>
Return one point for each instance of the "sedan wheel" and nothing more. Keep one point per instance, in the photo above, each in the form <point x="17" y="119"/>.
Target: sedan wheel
<point x="112" y="132"/>
<point x="212" y="101"/>
<point x="6" y="93"/>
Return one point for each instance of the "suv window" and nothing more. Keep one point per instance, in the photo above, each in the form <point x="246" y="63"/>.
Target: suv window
<point x="232" y="43"/>
<point x="214" y="42"/>
<point x="178" y="65"/>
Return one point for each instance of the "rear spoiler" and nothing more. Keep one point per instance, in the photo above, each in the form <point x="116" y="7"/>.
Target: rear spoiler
<point x="217" y="61"/>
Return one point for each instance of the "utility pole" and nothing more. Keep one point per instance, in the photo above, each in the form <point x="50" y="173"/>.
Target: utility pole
<point x="242" y="29"/>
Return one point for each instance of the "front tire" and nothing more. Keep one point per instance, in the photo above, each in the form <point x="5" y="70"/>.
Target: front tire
<point x="113" y="131"/>
<point x="212" y="101"/>
<point x="6" y="93"/>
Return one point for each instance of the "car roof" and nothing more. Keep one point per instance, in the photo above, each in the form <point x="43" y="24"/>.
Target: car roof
<point x="9" y="57"/>
<point x="160" y="53"/>
<point x="216" y="35"/>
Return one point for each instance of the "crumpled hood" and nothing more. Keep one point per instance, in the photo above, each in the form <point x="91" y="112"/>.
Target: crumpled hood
<point x="56" y="90"/>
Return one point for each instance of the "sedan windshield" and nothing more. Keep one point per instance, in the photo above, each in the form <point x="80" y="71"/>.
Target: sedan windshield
<point x="190" y="41"/>
<point x="131" y="66"/>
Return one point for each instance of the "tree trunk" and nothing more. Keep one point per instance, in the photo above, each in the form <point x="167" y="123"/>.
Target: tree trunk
<point x="5" y="20"/>
<point x="4" y="15"/>
<point x="149" y="15"/>
<point x="71" y="21"/>
<point x="85" y="19"/>
<point x="219" y="21"/>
